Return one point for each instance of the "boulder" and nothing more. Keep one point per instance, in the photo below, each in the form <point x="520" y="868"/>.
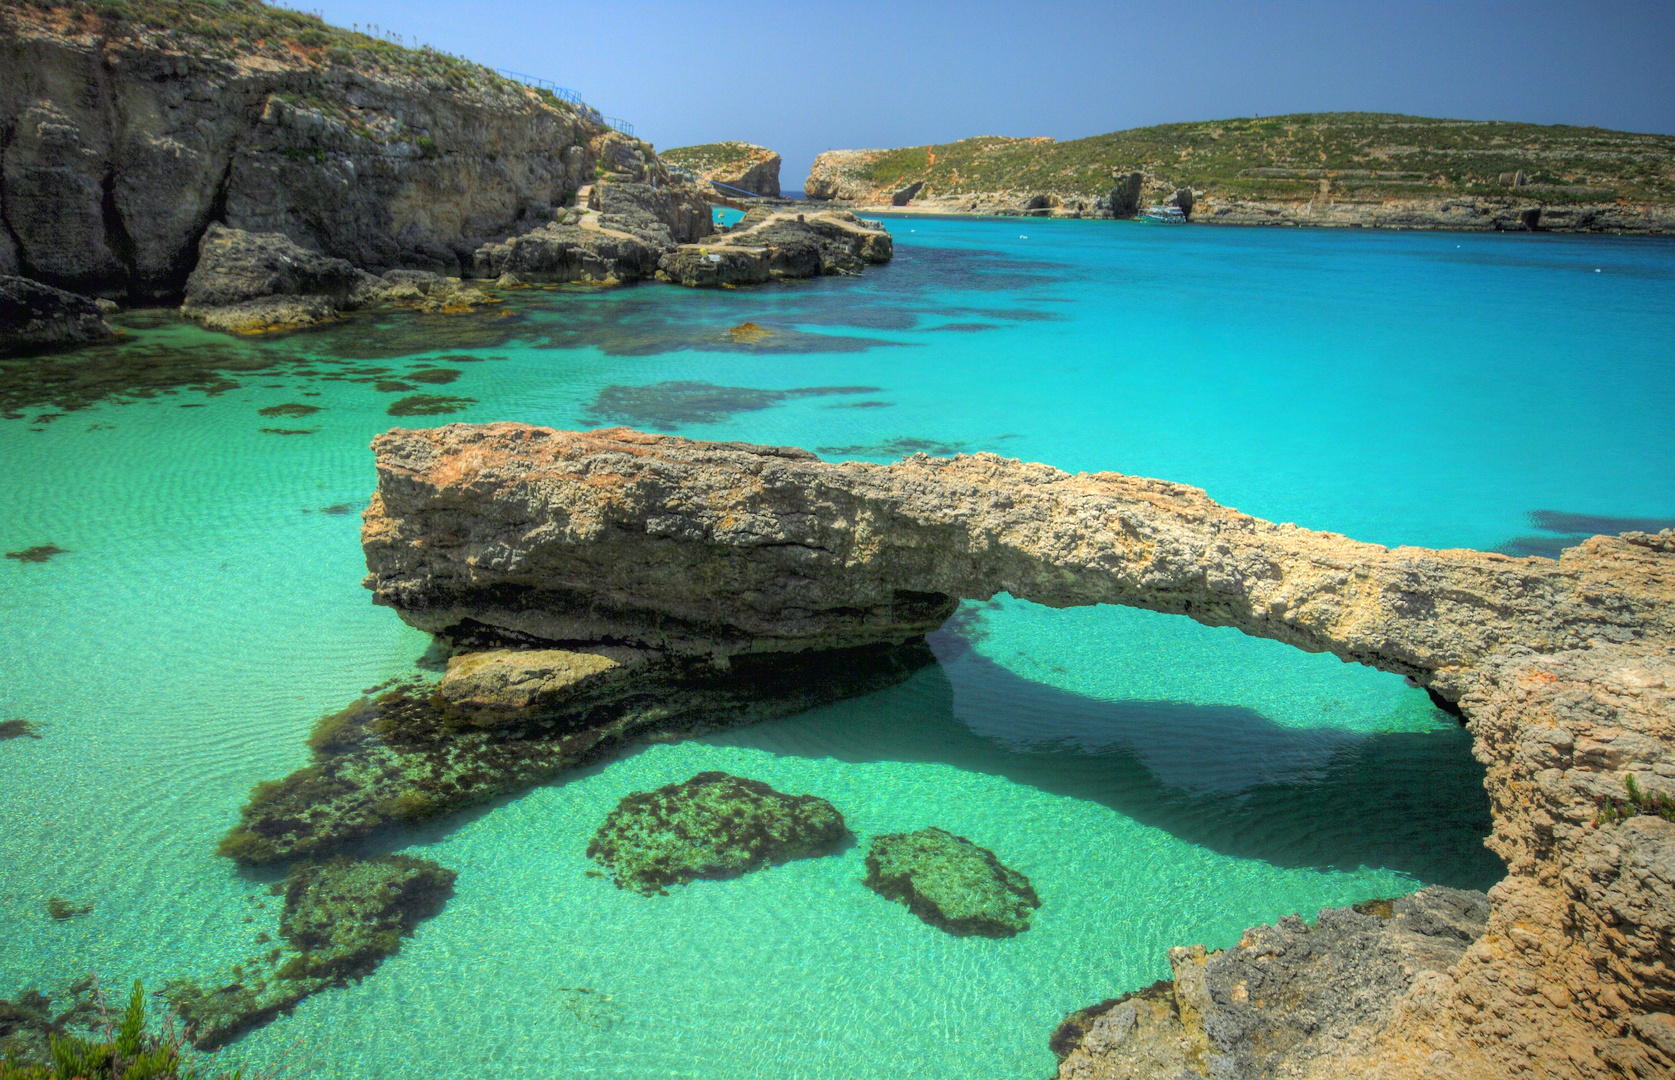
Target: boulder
<point x="951" y="883"/>
<point x="39" y="318"/>
<point x="711" y="826"/>
<point x="253" y="283"/>
<point x="569" y="253"/>
<point x="502" y="686"/>
<point x="769" y="245"/>
<point x="1283" y="996"/>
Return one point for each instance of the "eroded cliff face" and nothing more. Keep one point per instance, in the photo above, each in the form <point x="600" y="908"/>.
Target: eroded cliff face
<point x="1564" y="670"/>
<point x="119" y="146"/>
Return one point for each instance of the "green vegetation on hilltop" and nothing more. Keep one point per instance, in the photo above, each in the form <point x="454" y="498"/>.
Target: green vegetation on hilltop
<point x="707" y="156"/>
<point x="251" y="28"/>
<point x="1286" y="157"/>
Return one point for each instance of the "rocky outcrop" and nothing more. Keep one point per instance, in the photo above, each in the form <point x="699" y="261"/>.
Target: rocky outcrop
<point x="840" y="175"/>
<point x="951" y="883"/>
<point x="39" y="318"/>
<point x="1280" y="1000"/>
<point x="771" y="245"/>
<point x="1564" y="670"/>
<point x="618" y="236"/>
<point x="252" y="283"/>
<point x="740" y="165"/>
<point x="711" y="826"/>
<point x="125" y="138"/>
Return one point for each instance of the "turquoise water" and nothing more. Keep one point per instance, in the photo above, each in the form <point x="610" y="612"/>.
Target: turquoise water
<point x="1160" y="783"/>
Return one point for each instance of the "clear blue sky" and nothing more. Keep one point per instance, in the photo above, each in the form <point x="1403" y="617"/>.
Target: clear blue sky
<point x="802" y="78"/>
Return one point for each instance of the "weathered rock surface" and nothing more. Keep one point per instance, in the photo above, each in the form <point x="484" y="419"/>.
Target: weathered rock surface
<point x="1281" y="998"/>
<point x="739" y="165"/>
<point x="711" y="826"/>
<point x="951" y="883"/>
<point x="502" y="686"/>
<point x="1564" y="670"/>
<point x="770" y="245"/>
<point x="340" y="920"/>
<point x="126" y="139"/>
<point x="39" y="318"/>
<point x="252" y="283"/>
<point x="617" y="237"/>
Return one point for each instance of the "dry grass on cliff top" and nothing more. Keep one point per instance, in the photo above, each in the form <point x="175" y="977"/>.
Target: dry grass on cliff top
<point x="1285" y="157"/>
<point x="239" y="29"/>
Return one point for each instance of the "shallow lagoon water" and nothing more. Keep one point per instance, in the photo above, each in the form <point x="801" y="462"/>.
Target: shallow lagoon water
<point x="1160" y="783"/>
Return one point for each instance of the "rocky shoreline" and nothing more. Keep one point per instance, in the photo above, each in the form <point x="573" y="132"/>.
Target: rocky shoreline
<point x="720" y="554"/>
<point x="294" y="178"/>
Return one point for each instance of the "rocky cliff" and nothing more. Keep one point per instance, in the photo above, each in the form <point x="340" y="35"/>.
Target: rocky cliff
<point x="126" y="130"/>
<point x="1334" y="169"/>
<point x="1564" y="670"/>
<point x="739" y="165"/>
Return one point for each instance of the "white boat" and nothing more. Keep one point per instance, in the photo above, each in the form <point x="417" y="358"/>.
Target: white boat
<point x="1164" y="215"/>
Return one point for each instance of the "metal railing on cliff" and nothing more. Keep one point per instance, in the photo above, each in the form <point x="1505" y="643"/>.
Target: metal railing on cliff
<point x="567" y="95"/>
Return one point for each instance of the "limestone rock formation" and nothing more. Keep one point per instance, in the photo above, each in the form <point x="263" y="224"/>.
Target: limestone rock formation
<point x="769" y="245"/>
<point x="127" y="136"/>
<point x="1563" y="670"/>
<point x="502" y="686"/>
<point x="39" y="318"/>
<point x="1282" y="997"/>
<point x="951" y="883"/>
<point x="711" y="826"/>
<point x="252" y="283"/>
<point x="1124" y="199"/>
<point x="740" y="165"/>
<point x="617" y="237"/>
<point x="837" y="175"/>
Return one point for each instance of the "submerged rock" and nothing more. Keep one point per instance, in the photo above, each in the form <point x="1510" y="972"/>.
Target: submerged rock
<point x="39" y="318"/>
<point x="769" y="245"/>
<point x="411" y="754"/>
<point x="501" y="686"/>
<point x="951" y="883"/>
<point x="711" y="826"/>
<point x="31" y="1021"/>
<point x="1284" y="996"/>
<point x="340" y="920"/>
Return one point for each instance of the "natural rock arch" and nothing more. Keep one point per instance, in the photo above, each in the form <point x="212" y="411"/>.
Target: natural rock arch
<point x="1564" y="670"/>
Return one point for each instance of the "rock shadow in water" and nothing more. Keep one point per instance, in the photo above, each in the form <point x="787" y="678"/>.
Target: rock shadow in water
<point x="1224" y="777"/>
<point x="666" y="406"/>
<point x="1571" y="529"/>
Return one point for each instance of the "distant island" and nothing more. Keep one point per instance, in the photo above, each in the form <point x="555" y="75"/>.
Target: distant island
<point x="1342" y="169"/>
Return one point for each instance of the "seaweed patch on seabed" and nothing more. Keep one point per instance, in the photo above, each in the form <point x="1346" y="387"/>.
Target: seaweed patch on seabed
<point x="1571" y="529"/>
<point x="38" y="553"/>
<point x="666" y="406"/>
<point x="429" y="405"/>
<point x="406" y="756"/>
<point x="339" y="921"/>
<point x="896" y="448"/>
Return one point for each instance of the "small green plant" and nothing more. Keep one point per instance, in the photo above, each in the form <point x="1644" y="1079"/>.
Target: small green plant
<point x="1612" y="811"/>
<point x="126" y="1052"/>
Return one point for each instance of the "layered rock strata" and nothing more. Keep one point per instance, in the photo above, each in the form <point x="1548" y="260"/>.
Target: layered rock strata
<point x="1564" y="670"/>
<point x="772" y="245"/>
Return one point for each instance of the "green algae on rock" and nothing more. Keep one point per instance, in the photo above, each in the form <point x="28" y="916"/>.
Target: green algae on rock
<point x="410" y="754"/>
<point x="61" y="909"/>
<point x="341" y="919"/>
<point x="38" y="553"/>
<point x="17" y="729"/>
<point x="951" y="883"/>
<point x="711" y="826"/>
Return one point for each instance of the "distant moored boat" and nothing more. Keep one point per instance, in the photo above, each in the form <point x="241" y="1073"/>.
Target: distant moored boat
<point x="1164" y="215"/>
